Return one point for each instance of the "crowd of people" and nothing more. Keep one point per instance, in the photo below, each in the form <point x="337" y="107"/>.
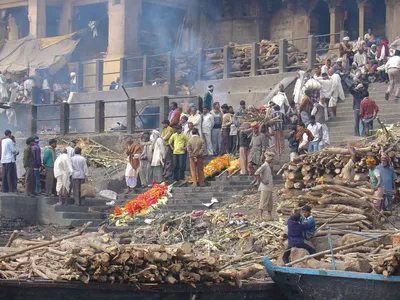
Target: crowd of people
<point x="65" y="171"/>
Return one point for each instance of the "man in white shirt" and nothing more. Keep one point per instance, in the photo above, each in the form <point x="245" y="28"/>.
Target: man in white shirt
<point x="79" y="174"/>
<point x="393" y="69"/>
<point x="206" y="128"/>
<point x="360" y="58"/>
<point x="316" y="131"/>
<point x="71" y="149"/>
<point x="9" y="173"/>
<point x="280" y="99"/>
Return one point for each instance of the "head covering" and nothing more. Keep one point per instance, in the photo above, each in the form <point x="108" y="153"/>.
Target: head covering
<point x="191" y="105"/>
<point x="346" y="38"/>
<point x="37" y="139"/>
<point x="339" y="59"/>
<point x="269" y="156"/>
<point x="254" y="125"/>
<point x="373" y="45"/>
<point x="371" y="161"/>
<point x="72" y="74"/>
<point x="262" y="107"/>
<point x="210" y="87"/>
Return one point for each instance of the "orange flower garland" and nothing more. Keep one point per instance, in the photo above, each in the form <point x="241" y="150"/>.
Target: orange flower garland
<point x="143" y="201"/>
<point x="217" y="165"/>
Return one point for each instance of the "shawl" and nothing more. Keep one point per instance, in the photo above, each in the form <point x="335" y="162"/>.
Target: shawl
<point x="133" y="153"/>
<point x="383" y="44"/>
<point x="300" y="133"/>
<point x="297" y="93"/>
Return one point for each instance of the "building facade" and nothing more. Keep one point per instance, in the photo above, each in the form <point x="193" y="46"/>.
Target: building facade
<point x="145" y="27"/>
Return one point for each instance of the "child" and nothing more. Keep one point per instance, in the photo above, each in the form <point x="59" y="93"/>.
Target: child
<point x="307" y="217"/>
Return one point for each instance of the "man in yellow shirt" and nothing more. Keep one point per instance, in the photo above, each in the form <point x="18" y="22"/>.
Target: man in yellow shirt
<point x="168" y="131"/>
<point x="178" y="143"/>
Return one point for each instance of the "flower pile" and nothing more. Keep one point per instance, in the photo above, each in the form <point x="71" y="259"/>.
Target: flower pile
<point x="217" y="165"/>
<point x="234" y="165"/>
<point x="143" y="204"/>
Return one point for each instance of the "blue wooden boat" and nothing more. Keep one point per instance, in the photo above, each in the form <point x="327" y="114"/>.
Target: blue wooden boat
<point x="298" y="283"/>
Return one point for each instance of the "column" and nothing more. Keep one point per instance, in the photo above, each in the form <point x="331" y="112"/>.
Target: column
<point x="66" y="18"/>
<point x="336" y="18"/>
<point x="332" y="12"/>
<point x="361" y="19"/>
<point x="37" y="18"/>
<point x="123" y="31"/>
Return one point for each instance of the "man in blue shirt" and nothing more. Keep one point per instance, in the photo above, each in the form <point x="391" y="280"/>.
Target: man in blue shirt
<point x="388" y="177"/>
<point x="308" y="218"/>
<point x="295" y="236"/>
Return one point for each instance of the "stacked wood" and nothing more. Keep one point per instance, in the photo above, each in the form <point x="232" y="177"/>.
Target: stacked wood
<point x="342" y="207"/>
<point x="240" y="63"/>
<point x="186" y="72"/>
<point x="99" y="257"/>
<point x="335" y="165"/>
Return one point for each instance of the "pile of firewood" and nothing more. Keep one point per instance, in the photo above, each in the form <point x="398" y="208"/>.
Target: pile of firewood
<point x="100" y="257"/>
<point x="241" y="60"/>
<point x="337" y="204"/>
<point x="186" y="72"/>
<point x="335" y="163"/>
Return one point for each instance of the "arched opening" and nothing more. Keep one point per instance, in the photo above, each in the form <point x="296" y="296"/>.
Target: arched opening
<point x="319" y="20"/>
<point x="351" y="19"/>
<point x="375" y="18"/>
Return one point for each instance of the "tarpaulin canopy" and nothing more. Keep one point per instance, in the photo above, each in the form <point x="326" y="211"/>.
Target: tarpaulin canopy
<point x="19" y="55"/>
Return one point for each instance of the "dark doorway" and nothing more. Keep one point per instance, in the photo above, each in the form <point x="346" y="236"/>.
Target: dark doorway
<point x="53" y="15"/>
<point x="20" y="15"/>
<point x="351" y="19"/>
<point x="320" y="19"/>
<point x="91" y="46"/>
<point x="375" y="18"/>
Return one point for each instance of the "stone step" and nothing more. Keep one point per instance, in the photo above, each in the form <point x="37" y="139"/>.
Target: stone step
<point x="84" y="215"/>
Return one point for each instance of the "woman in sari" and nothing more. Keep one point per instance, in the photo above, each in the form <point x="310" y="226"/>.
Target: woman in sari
<point x="132" y="167"/>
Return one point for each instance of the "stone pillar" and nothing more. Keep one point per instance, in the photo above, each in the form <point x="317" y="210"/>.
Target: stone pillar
<point x="13" y="29"/>
<point x="392" y="19"/>
<point x="37" y="18"/>
<point x="361" y="19"/>
<point x="123" y="28"/>
<point x="66" y="18"/>
<point x="332" y="12"/>
<point x="336" y="20"/>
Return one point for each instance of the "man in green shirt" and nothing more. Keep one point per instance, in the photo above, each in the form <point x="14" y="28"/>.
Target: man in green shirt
<point x="208" y="97"/>
<point x="49" y="157"/>
<point x="178" y="143"/>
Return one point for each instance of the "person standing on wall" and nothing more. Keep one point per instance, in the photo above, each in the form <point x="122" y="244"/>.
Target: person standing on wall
<point x="37" y="163"/>
<point x="174" y="115"/>
<point x="208" y="97"/>
<point x="37" y="83"/>
<point x="79" y="175"/>
<point x="49" y="157"/>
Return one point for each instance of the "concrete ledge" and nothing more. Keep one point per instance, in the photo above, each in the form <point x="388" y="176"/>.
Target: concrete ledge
<point x="13" y="206"/>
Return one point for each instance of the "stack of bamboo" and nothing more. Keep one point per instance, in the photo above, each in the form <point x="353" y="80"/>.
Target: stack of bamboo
<point x="100" y="257"/>
<point x="346" y="206"/>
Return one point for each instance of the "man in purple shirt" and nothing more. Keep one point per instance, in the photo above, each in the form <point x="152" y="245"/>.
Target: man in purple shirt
<point x="37" y="163"/>
<point x="295" y="236"/>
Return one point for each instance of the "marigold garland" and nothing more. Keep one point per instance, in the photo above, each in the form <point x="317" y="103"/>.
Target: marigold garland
<point x="142" y="204"/>
<point x="217" y="165"/>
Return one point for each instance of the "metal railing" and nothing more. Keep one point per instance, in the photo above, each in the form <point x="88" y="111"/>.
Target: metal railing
<point x="140" y="114"/>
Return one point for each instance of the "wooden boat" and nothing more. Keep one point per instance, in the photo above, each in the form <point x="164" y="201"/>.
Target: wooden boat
<point x="298" y="283"/>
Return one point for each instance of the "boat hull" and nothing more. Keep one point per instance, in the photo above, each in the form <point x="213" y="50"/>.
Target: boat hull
<point x="297" y="283"/>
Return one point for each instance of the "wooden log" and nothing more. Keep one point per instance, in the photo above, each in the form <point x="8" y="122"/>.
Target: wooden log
<point x="295" y="176"/>
<point x="242" y="274"/>
<point x="289" y="184"/>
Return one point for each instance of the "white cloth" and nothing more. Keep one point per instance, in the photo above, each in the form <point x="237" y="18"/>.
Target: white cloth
<point x="3" y="87"/>
<point x="383" y="53"/>
<point x="360" y="59"/>
<point x="8" y="151"/>
<point x="324" y="69"/>
<point x="393" y="62"/>
<point x="45" y="85"/>
<point x="281" y="100"/>
<point x="79" y="167"/>
<point x="196" y="120"/>
<point x="325" y="134"/>
<point x="326" y="89"/>
<point x="337" y="89"/>
<point x="70" y="151"/>
<point x="208" y="149"/>
<point x="158" y="153"/>
<point x="207" y="123"/>
<point x="315" y="130"/>
<point x="131" y="172"/>
<point x="62" y="172"/>
<point x="315" y="109"/>
<point x="298" y="89"/>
